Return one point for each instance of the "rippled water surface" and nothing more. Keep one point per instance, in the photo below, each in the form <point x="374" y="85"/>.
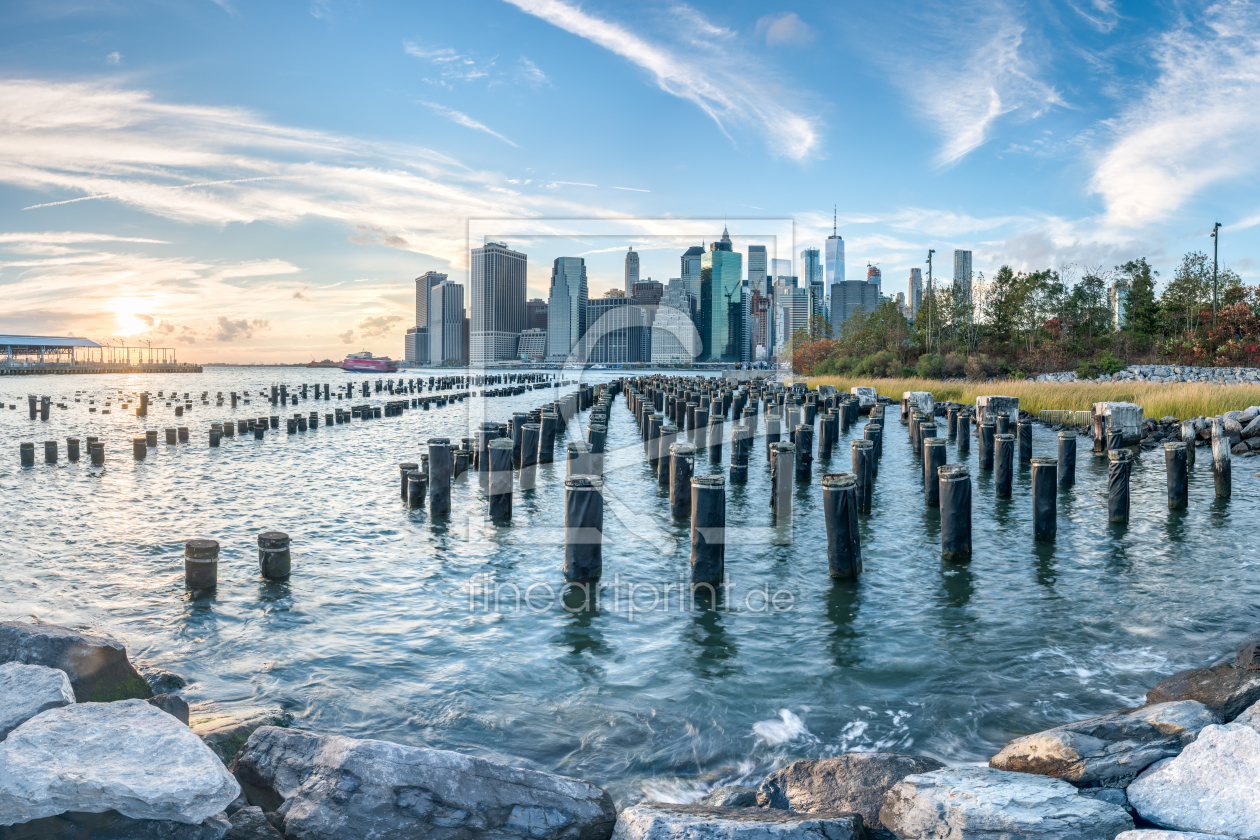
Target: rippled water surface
<point x="384" y="631"/>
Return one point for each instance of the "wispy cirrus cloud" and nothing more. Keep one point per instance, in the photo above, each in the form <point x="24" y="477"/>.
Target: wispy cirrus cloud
<point x="460" y="118"/>
<point x="1194" y="126"/>
<point x="726" y="86"/>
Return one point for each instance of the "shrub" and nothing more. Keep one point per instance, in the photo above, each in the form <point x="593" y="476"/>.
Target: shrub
<point x="955" y="365"/>
<point x="1109" y="364"/>
<point x="930" y="366"/>
<point x="979" y="367"/>
<point x="883" y="364"/>
<point x="1089" y="370"/>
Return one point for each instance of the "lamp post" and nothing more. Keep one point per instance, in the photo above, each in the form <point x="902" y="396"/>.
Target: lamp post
<point x="931" y="297"/>
<point x="1216" y="245"/>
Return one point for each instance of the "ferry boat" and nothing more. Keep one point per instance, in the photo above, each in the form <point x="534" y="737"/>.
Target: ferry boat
<point x="365" y="362"/>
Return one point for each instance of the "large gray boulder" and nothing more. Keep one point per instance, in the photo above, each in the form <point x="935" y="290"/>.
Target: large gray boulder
<point x="97" y="666"/>
<point x="226" y="734"/>
<point x="27" y="690"/>
<point x="980" y="803"/>
<point x="1211" y="787"/>
<point x="326" y="787"/>
<point x="1109" y="750"/>
<point x="1160" y="834"/>
<point x="655" y="821"/>
<point x="126" y="756"/>
<point x="854" y="782"/>
<point x="731" y="796"/>
<point x="111" y="825"/>
<point x="1250" y="717"/>
<point x="1222" y="688"/>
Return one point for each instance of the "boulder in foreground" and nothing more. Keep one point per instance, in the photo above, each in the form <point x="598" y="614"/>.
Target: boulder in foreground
<point x="112" y="825"/>
<point x="980" y="803"/>
<point x="326" y="787"/>
<point x="732" y="796"/>
<point x="1210" y="788"/>
<point x="94" y="757"/>
<point x="1109" y="750"/>
<point x="1159" y="834"/>
<point x="250" y="824"/>
<point x="853" y="782"/>
<point x="97" y="666"/>
<point x="656" y="821"/>
<point x="1223" y="688"/>
<point x="27" y="690"/>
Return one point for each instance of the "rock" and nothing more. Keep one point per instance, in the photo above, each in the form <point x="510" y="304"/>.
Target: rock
<point x="97" y="666"/>
<point x="1168" y="420"/>
<point x="1250" y="717"/>
<point x="225" y="735"/>
<point x="1239" y="449"/>
<point x="980" y="803"/>
<point x="162" y="681"/>
<point x="1156" y="834"/>
<point x="1251" y="430"/>
<point x="1110" y="750"/>
<point x="126" y="756"/>
<point x="250" y="824"/>
<point x="1222" y="688"/>
<point x="1210" y="787"/>
<point x="112" y="825"/>
<point x="1115" y="796"/>
<point x="173" y="705"/>
<point x="326" y="787"/>
<point x="655" y="821"/>
<point x="854" y="782"/>
<point x="1247" y="657"/>
<point x="1249" y="414"/>
<point x="27" y="690"/>
<point x="732" y="796"/>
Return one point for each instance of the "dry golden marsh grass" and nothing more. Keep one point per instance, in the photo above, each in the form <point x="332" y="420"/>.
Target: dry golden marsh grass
<point x="1180" y="400"/>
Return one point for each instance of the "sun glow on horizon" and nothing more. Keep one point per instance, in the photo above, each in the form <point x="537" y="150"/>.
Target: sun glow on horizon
<point x="127" y="312"/>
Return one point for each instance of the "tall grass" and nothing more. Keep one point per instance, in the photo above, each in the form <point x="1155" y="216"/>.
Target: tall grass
<point x="1180" y="400"/>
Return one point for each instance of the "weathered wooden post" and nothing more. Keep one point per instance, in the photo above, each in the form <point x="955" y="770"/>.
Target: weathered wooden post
<point x="803" y="439"/>
<point x="140" y="449"/>
<point x="96" y="452"/>
<point x="579" y="458"/>
<point x="1178" y="475"/>
<point x="988" y="431"/>
<point x="500" y="478"/>
<point x="1189" y="436"/>
<point x="782" y="456"/>
<point x="955" y="496"/>
<point x="964" y="434"/>
<point x="417" y="488"/>
<point x="405" y="469"/>
<point x="50" y="452"/>
<point x="583" y="527"/>
<point x="1045" y="480"/>
<point x="440" y="466"/>
<point x="1118" y="471"/>
<point x="715" y="440"/>
<point x="201" y="565"/>
<point x="933" y="460"/>
<point x="1067" y="459"/>
<point x="1222" y="463"/>
<point x="531" y="435"/>
<point x="840" y="514"/>
<point x="682" y="460"/>
<point x="1024" y="433"/>
<point x="150" y="437"/>
<point x="72" y="449"/>
<point x="708" y="529"/>
<point x="669" y="434"/>
<point x="741" y="444"/>
<point x="1003" y="465"/>
<point x="27" y="451"/>
<point x="863" y="468"/>
<point x="274" y="560"/>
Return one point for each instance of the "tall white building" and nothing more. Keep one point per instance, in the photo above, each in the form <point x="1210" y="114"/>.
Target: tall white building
<point x="632" y="273"/>
<point x="916" y="291"/>
<point x="1118" y="299"/>
<point x="498" y="302"/>
<point x="418" y="343"/>
<point x="566" y="305"/>
<point x="675" y="339"/>
<point x="691" y="270"/>
<point x="792" y="307"/>
<point x="757" y="268"/>
<point x="833" y="252"/>
<point x="446" y="323"/>
<point x="962" y="277"/>
<point x="780" y="268"/>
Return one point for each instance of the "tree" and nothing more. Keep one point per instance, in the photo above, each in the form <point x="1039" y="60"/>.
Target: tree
<point x="1001" y="307"/>
<point x="819" y="327"/>
<point x="1188" y="293"/>
<point x="1143" y="314"/>
<point x="1089" y="299"/>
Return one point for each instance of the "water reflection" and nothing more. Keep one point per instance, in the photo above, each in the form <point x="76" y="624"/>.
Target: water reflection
<point x="843" y="602"/>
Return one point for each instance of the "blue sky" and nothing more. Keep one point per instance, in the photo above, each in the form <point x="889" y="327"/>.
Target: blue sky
<point x="262" y="181"/>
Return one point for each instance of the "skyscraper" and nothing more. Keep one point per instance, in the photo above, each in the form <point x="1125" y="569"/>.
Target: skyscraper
<point x="791" y="313"/>
<point x="721" y="302"/>
<point x="834" y="253"/>
<point x="916" y="291"/>
<point x="424" y="283"/>
<point x="566" y="305"/>
<point x="498" y="302"/>
<point x="780" y="268"/>
<point x="619" y="333"/>
<point x="691" y="270"/>
<point x="535" y="314"/>
<point x="632" y="271"/>
<point x="674" y="337"/>
<point x="815" y="278"/>
<point x="647" y="292"/>
<point x="962" y="277"/>
<point x="874" y="275"/>
<point x="446" y="323"/>
<point x="849" y="297"/>
<point x="757" y="268"/>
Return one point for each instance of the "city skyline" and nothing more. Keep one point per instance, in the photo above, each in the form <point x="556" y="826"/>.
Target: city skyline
<point x="265" y="183"/>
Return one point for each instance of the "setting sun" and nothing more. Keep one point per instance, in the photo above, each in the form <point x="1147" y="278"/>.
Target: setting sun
<point x="126" y="312"/>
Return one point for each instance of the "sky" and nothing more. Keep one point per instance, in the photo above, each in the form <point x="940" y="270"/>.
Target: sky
<point x="262" y="181"/>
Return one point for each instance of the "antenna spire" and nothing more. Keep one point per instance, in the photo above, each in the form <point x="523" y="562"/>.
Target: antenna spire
<point x="833" y="219"/>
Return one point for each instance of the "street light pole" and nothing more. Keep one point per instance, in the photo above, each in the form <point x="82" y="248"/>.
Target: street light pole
<point x="931" y="297"/>
<point x="1216" y="245"/>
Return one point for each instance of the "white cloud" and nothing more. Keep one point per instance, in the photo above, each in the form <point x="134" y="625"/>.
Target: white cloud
<point x="114" y="58"/>
<point x="725" y="86"/>
<point x="453" y="67"/>
<point x="528" y="72"/>
<point x="784" y="29"/>
<point x="1195" y="126"/>
<point x="460" y="118"/>
<point x="1100" y="14"/>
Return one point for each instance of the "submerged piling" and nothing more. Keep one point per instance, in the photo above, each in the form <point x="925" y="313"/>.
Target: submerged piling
<point x="741" y="444"/>
<point x="583" y="527"/>
<point x="782" y="456"/>
<point x="27" y="451"/>
<point x="1118" y="472"/>
<point x="1067" y="459"/>
<point x="988" y="430"/>
<point x="531" y="435"/>
<point x="500" y="478"/>
<point x="1188" y="437"/>
<point x="933" y="460"/>
<point x="1222" y="463"/>
<point x="405" y="469"/>
<point x="1024" y="432"/>
<point x="708" y="529"/>
<point x="417" y="488"/>
<point x="274" y="560"/>
<point x="840" y="513"/>
<point x="201" y="565"/>
<point x="682" y="459"/>
<point x="954" y="481"/>
<point x="964" y="433"/>
<point x="50" y="452"/>
<point x="863" y="468"/>
<point x="441" y="465"/>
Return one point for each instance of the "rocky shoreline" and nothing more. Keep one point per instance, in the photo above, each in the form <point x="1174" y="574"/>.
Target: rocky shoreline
<point x="1165" y="374"/>
<point x="89" y="751"/>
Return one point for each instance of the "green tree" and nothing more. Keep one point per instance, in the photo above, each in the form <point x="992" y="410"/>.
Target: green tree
<point x="1143" y="315"/>
<point x="1001" y="307"/>
<point x="1089" y="302"/>
<point x="1188" y="293"/>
